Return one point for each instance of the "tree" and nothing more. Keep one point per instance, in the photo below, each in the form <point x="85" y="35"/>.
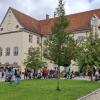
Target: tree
<point x="60" y="44"/>
<point x="33" y="59"/>
<point x="89" y="55"/>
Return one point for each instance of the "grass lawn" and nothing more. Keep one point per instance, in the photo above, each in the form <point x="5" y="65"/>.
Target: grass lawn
<point x="45" y="90"/>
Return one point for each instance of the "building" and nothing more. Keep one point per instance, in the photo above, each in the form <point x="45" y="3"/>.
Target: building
<point x="18" y="32"/>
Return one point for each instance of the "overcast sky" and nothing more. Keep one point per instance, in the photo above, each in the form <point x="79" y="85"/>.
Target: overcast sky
<point x="39" y="8"/>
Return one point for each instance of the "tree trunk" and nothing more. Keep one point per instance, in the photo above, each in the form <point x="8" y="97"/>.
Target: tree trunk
<point x="58" y="78"/>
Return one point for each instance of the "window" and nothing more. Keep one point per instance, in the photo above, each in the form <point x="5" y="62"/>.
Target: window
<point x="16" y="51"/>
<point x="17" y="26"/>
<point x="15" y="64"/>
<point x="94" y="21"/>
<point x="99" y="27"/>
<point x="30" y="38"/>
<point x="45" y="52"/>
<point x="81" y="38"/>
<point x="7" y="51"/>
<point x="38" y="40"/>
<point x="7" y="64"/>
<point x="0" y="51"/>
<point x="30" y="50"/>
<point x="1" y="29"/>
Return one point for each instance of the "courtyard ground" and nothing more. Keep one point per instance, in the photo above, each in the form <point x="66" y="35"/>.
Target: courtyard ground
<point x="45" y="90"/>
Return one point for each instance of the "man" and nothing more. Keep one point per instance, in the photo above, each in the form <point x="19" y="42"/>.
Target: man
<point x="17" y="76"/>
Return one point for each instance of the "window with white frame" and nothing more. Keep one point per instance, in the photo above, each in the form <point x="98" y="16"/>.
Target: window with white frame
<point x="81" y="38"/>
<point x="7" y="51"/>
<point x="30" y="38"/>
<point x="1" y="51"/>
<point x="16" y="51"/>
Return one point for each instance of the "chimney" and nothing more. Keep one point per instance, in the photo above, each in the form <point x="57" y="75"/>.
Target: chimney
<point x="47" y="17"/>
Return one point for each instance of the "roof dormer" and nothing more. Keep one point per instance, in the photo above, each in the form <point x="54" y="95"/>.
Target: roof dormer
<point x="94" y="20"/>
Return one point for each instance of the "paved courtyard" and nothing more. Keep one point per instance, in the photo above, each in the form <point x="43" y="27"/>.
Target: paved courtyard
<point x="92" y="96"/>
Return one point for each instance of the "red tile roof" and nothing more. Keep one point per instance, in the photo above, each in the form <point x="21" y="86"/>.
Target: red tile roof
<point x="82" y="20"/>
<point x="77" y="21"/>
<point x="26" y="21"/>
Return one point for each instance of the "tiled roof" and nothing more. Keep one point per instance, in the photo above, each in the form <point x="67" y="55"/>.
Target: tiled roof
<point x="26" y="21"/>
<point x="82" y="20"/>
<point x="77" y="21"/>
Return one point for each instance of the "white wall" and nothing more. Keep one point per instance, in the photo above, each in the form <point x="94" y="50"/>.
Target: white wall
<point x="26" y="44"/>
<point x="77" y="34"/>
<point x="9" y="23"/>
<point x="11" y="40"/>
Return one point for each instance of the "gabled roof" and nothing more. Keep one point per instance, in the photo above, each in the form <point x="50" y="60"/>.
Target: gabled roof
<point x="82" y="20"/>
<point x="26" y="21"/>
<point x="77" y="21"/>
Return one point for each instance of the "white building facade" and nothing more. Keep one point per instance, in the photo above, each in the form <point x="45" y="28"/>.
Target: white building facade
<point x="18" y="32"/>
<point x="15" y="41"/>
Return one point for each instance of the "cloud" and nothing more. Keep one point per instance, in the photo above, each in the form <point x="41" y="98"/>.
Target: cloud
<point x="39" y="8"/>
<point x="95" y="4"/>
<point x="74" y="7"/>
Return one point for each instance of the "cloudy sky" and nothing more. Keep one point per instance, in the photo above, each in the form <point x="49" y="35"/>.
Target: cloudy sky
<point x="39" y="8"/>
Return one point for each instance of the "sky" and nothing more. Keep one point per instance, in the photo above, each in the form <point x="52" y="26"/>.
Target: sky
<point x="39" y="8"/>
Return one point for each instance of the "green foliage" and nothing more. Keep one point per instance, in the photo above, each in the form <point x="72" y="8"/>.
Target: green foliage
<point x="33" y="59"/>
<point x="89" y="54"/>
<point x="60" y="44"/>
<point x="44" y="90"/>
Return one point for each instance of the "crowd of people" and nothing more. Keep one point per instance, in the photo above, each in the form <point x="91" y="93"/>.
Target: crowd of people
<point x="12" y="75"/>
<point x="44" y="73"/>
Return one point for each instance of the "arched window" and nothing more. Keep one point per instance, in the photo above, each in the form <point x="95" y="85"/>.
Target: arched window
<point x="1" y="51"/>
<point x="7" y="51"/>
<point x="16" y="51"/>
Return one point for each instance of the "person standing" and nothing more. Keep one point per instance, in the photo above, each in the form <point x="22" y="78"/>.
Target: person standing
<point x="10" y="75"/>
<point x="26" y="74"/>
<point x="96" y="75"/>
<point x="18" y="77"/>
<point x="0" y="75"/>
<point x="3" y="73"/>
